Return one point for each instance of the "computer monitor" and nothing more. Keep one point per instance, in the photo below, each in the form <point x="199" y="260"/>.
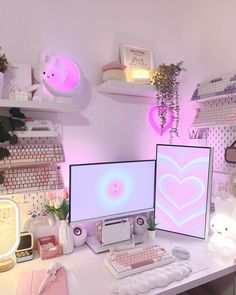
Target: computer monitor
<point x="101" y="191"/>
<point x="183" y="189"/>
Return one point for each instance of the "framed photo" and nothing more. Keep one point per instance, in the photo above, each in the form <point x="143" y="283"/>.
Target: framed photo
<point x="136" y="57"/>
<point x="16" y="78"/>
<point x="220" y="186"/>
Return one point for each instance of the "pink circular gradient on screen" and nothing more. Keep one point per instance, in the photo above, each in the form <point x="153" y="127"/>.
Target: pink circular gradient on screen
<point x="64" y="75"/>
<point x="115" y="189"/>
<point x="155" y="123"/>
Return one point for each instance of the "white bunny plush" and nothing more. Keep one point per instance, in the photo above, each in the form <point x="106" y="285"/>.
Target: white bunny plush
<point x="223" y="225"/>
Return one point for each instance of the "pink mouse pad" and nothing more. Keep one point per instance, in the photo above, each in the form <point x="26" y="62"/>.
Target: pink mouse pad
<point x="30" y="282"/>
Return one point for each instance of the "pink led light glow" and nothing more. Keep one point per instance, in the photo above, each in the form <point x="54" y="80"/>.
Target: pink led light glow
<point x="62" y="76"/>
<point x="181" y="192"/>
<point x="155" y="123"/>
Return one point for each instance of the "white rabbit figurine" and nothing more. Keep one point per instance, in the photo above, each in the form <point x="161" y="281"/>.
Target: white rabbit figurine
<point x="47" y="62"/>
<point x="58" y="76"/>
<point x="223" y="225"/>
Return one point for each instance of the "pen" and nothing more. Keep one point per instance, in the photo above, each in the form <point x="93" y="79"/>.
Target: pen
<point x="50" y="276"/>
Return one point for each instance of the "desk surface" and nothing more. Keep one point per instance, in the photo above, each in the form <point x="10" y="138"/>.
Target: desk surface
<point x="87" y="274"/>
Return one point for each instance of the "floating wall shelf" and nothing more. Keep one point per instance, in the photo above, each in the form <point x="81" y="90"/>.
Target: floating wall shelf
<point x="40" y="106"/>
<point x="126" y="88"/>
<point x="36" y="133"/>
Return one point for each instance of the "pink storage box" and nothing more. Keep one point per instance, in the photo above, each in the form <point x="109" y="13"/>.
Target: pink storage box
<point x="49" y="247"/>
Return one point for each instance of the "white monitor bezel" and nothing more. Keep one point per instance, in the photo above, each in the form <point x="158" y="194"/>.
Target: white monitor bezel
<point x="112" y="216"/>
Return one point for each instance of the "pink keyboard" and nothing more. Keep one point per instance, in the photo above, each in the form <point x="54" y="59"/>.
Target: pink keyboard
<point x="33" y="154"/>
<point x="31" y="179"/>
<point x="212" y="116"/>
<point x="128" y="262"/>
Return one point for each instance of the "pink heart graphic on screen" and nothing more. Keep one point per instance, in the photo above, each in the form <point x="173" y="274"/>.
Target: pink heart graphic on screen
<point x="190" y="190"/>
<point x="179" y="220"/>
<point x="155" y="121"/>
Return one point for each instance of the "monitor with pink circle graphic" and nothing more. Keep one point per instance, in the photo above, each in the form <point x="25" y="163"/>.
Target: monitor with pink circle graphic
<point x="183" y="189"/>
<point x="100" y="191"/>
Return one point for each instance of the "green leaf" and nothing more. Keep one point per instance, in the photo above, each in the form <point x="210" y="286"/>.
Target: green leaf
<point x="14" y="139"/>
<point x="3" y="153"/>
<point x="1" y="178"/>
<point x="4" y="136"/>
<point x="6" y="124"/>
<point x="16" y="113"/>
<point x="17" y="124"/>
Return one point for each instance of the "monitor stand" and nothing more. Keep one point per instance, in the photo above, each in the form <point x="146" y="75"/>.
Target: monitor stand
<point x="97" y="247"/>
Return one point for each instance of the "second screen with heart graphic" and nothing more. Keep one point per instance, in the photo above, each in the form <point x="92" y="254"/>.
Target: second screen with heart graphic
<point x="182" y="188"/>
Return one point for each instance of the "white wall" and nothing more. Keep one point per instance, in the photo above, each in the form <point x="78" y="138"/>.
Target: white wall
<point x="201" y="33"/>
<point x="108" y="127"/>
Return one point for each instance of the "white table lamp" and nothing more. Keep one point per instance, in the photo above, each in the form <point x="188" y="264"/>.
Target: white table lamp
<point x="9" y="225"/>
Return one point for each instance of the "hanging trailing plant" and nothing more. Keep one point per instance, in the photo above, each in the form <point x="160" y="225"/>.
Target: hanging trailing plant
<point x="165" y="79"/>
<point x="8" y="124"/>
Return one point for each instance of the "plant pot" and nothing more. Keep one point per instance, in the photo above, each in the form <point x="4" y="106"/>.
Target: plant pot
<point x="151" y="235"/>
<point x="65" y="237"/>
<point x="1" y="84"/>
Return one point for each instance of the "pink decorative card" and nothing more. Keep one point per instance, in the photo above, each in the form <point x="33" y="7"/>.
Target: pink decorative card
<point x="30" y="281"/>
<point x="183" y="188"/>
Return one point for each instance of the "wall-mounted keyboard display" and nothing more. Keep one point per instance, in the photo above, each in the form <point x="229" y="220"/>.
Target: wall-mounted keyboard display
<point x="33" y="154"/>
<point x="218" y="114"/>
<point x="215" y="116"/>
<point x="31" y="166"/>
<point x="31" y="179"/>
<point x="215" y="87"/>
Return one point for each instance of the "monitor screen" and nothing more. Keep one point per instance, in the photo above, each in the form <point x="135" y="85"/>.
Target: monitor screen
<point x="183" y="188"/>
<point x="108" y="190"/>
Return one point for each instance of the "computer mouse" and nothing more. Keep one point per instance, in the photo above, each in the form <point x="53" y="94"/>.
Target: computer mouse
<point x="180" y="252"/>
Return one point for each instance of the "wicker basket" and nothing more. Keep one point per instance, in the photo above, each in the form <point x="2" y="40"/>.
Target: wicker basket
<point x="49" y="247"/>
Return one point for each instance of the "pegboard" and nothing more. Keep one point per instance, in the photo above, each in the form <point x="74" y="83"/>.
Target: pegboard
<point x="219" y="137"/>
<point x="30" y="203"/>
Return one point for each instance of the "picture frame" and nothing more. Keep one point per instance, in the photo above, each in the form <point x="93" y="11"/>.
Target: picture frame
<point x="18" y="77"/>
<point x="136" y="57"/>
<point x="220" y="187"/>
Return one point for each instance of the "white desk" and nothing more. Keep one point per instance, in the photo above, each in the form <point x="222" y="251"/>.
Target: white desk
<point x="88" y="276"/>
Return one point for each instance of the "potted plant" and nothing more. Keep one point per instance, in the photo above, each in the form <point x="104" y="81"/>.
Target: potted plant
<point x="165" y="79"/>
<point x="8" y="124"/>
<point x="3" y="68"/>
<point x="151" y="227"/>
<point x="59" y="206"/>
